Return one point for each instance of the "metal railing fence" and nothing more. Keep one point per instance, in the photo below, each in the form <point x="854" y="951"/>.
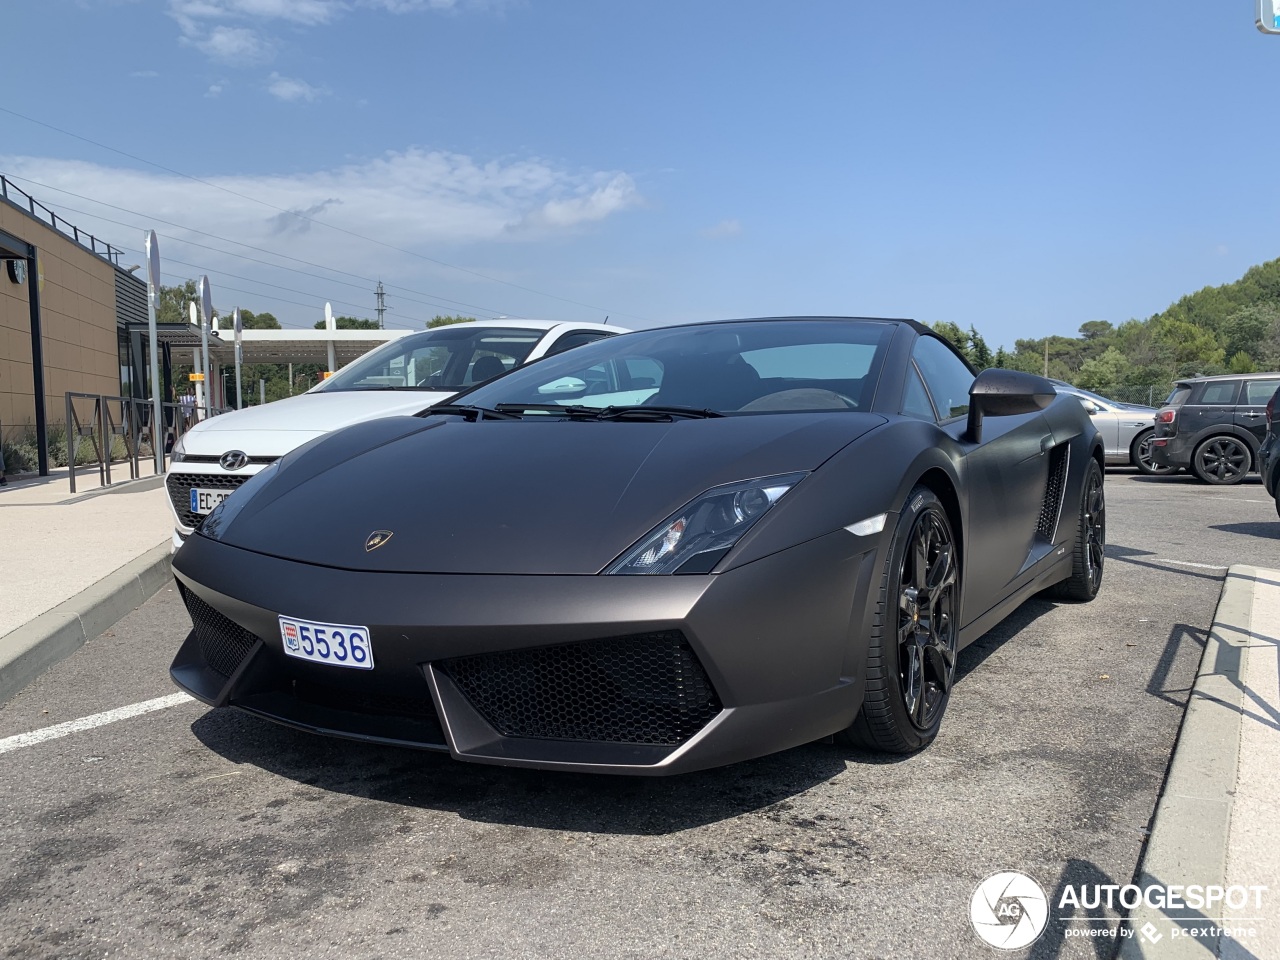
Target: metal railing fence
<point x="109" y="418"/>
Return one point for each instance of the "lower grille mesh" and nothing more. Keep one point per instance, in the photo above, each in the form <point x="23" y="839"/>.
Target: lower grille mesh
<point x="223" y="642"/>
<point x="179" y="486"/>
<point x="648" y="688"/>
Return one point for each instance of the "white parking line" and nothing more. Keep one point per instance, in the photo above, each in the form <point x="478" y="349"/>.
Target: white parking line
<point x="1188" y="563"/>
<point x="88" y="723"/>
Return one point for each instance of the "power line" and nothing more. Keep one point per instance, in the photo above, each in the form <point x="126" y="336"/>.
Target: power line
<point x="223" y="273"/>
<point x="443" y="302"/>
<point x="299" y="216"/>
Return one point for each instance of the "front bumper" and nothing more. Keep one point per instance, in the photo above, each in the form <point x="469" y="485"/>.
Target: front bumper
<point x="780" y="644"/>
<point x="185" y="475"/>
<point x="1268" y="466"/>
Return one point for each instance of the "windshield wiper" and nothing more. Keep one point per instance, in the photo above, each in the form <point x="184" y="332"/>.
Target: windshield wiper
<point x="637" y="412"/>
<point x="474" y="414"/>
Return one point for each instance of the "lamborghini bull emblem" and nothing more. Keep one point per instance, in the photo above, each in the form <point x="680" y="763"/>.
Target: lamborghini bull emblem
<point x="377" y="539"/>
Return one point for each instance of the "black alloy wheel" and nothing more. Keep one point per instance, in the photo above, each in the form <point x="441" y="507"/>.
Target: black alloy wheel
<point x="1222" y="460"/>
<point x="1090" y="550"/>
<point x="1141" y="456"/>
<point x="926" y="620"/>
<point x="914" y="638"/>
<point x="1094" y="522"/>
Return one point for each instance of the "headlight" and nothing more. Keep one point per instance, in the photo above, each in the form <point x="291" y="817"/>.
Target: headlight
<point x="694" y="538"/>
<point x="179" y="452"/>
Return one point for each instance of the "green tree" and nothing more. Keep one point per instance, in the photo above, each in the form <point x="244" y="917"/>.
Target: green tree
<point x="1096" y="329"/>
<point x="1241" y="362"/>
<point x="350" y="323"/>
<point x="439" y="321"/>
<point x="978" y="352"/>
<point x="1103" y="374"/>
<point x="172" y="307"/>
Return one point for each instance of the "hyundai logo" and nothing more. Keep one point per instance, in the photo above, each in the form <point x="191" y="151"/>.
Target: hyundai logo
<point x="233" y="460"/>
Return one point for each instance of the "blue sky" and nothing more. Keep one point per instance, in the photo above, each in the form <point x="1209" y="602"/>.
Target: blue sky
<point x="1016" y="166"/>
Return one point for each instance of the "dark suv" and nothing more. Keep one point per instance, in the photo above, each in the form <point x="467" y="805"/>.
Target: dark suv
<point x="1214" y="426"/>
<point x="1269" y="455"/>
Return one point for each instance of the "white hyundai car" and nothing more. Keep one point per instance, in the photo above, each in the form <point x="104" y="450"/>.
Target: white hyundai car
<point x="402" y="376"/>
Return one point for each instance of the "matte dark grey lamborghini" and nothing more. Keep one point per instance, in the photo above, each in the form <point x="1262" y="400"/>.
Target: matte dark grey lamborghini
<point x="664" y="551"/>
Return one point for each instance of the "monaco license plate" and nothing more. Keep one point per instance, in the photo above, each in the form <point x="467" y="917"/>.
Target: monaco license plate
<point x="337" y="644"/>
<point x="203" y="501"/>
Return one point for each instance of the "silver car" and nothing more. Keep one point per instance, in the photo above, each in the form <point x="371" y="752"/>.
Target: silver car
<point x="1126" y="428"/>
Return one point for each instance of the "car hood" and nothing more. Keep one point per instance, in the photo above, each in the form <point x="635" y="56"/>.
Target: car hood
<point x="273" y="429"/>
<point x="509" y="497"/>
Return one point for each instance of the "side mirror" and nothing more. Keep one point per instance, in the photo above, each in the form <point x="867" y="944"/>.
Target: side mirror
<point x="1005" y="393"/>
<point x="563" y="385"/>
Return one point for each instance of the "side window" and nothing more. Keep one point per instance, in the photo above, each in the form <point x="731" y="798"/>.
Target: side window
<point x="1221" y="391"/>
<point x="915" y="402"/>
<point x="946" y="375"/>
<point x="641" y="372"/>
<point x="575" y="338"/>
<point x="1258" y="392"/>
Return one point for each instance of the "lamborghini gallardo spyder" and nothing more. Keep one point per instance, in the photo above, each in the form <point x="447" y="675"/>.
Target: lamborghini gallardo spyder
<point x="660" y="552"/>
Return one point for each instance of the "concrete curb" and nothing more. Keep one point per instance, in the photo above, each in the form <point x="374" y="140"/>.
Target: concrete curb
<point x="31" y="649"/>
<point x="1188" y="842"/>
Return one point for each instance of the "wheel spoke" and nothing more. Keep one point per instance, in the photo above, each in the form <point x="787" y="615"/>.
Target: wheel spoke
<point x="942" y="574"/>
<point x="920" y="562"/>
<point x="914" y="674"/>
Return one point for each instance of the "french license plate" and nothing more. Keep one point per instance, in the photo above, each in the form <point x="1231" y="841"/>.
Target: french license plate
<point x="203" y="501"/>
<point x="337" y="644"/>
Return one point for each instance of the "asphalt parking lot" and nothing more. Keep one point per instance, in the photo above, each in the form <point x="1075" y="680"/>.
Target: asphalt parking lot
<point x="186" y="832"/>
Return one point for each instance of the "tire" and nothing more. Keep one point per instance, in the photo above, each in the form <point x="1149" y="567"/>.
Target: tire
<point x="1140" y="456"/>
<point x="911" y="655"/>
<point x="1089" y="552"/>
<point x="1222" y="460"/>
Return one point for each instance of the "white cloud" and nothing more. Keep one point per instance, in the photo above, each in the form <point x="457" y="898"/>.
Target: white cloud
<point x="305" y="12"/>
<point x="215" y="90"/>
<point x="446" y="206"/>
<point x="289" y="89"/>
<point x="232" y="31"/>
<point x="232" y="45"/>
<point x="409" y="6"/>
<point x="591" y="203"/>
<point x="723" y="230"/>
<point x="144" y="74"/>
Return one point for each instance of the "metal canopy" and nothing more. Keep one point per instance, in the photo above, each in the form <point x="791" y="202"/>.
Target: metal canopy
<point x="280" y="346"/>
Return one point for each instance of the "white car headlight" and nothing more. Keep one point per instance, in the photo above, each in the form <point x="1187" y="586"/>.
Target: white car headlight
<point x="695" y="537"/>
<point x="179" y="452"/>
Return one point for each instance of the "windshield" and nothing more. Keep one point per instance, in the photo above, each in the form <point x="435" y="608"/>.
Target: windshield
<point x="750" y="366"/>
<point x="448" y="358"/>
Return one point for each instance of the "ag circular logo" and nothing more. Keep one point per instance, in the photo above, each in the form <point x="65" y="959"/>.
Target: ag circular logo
<point x="1009" y="910"/>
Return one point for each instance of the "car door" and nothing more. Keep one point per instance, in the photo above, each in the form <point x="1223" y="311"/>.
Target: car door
<point x="1004" y="479"/>
<point x="1251" y="412"/>
<point x="1213" y="411"/>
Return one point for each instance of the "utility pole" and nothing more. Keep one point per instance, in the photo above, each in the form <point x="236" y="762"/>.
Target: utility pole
<point x="382" y="303"/>
<point x="1046" y="356"/>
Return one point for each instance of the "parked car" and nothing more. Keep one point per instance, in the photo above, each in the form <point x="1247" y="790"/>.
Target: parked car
<point x="1127" y="429"/>
<point x="1214" y="426"/>
<point x="216" y="456"/>
<point x="665" y="551"/>
<point x="1269" y="452"/>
